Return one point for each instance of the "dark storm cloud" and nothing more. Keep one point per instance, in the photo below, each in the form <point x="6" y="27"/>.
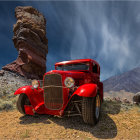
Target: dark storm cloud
<point x="106" y="41"/>
<point x="108" y="32"/>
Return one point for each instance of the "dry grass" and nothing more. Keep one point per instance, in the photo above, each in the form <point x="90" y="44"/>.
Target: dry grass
<point x="116" y="123"/>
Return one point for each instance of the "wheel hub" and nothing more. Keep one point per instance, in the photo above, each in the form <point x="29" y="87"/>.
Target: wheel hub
<point x="97" y="107"/>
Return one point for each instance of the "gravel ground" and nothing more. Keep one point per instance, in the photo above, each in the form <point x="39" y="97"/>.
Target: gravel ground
<point x="114" y="124"/>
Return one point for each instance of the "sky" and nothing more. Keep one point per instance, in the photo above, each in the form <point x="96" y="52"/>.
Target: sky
<point x="106" y="31"/>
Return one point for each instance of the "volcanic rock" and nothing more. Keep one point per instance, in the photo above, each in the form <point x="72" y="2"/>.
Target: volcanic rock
<point x="126" y="101"/>
<point x="1" y="72"/>
<point x="136" y="98"/>
<point x="31" y="43"/>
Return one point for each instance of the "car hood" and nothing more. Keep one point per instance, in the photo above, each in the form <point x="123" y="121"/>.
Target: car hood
<point x="73" y="74"/>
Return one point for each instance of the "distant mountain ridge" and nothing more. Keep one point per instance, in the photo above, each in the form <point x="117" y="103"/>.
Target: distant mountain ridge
<point x="128" y="81"/>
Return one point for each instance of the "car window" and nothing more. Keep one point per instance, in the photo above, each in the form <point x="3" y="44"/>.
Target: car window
<point x="79" y="66"/>
<point x="95" y="68"/>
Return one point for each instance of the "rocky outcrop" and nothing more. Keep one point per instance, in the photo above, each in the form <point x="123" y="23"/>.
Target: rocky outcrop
<point x="31" y="43"/>
<point x="136" y="98"/>
<point x="1" y="72"/>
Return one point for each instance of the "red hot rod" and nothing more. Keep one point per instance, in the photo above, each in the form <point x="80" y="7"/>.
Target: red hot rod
<point x="73" y="88"/>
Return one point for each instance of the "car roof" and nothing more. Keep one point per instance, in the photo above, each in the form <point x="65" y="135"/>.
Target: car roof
<point x="76" y="61"/>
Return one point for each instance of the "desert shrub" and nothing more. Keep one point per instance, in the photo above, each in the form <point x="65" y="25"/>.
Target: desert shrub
<point x="14" y="101"/>
<point x="3" y="93"/>
<point x="6" y="105"/>
<point x="9" y="96"/>
<point x="111" y="107"/>
<point x="25" y="134"/>
<point x="126" y="107"/>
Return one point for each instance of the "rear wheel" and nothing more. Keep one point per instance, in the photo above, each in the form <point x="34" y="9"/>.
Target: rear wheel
<point x="22" y="100"/>
<point x="91" y="109"/>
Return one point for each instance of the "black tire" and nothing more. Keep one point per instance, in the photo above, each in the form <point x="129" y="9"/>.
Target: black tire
<point x="89" y="110"/>
<point x="22" y="100"/>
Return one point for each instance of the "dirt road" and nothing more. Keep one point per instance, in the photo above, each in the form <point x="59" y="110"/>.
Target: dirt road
<point x="120" y="125"/>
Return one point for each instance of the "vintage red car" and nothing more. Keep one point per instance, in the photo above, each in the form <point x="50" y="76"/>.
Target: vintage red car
<point x="73" y="88"/>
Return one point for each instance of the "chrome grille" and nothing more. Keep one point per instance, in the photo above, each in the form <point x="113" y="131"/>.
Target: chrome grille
<point x="53" y="92"/>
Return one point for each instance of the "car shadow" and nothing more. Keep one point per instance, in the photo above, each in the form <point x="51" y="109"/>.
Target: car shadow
<point x="105" y="129"/>
<point x="27" y="119"/>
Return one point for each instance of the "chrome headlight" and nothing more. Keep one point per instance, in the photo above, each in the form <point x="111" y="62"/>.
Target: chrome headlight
<point x="69" y="82"/>
<point x="35" y="84"/>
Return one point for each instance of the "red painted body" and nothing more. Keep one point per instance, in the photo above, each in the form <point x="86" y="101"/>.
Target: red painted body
<point x="87" y="84"/>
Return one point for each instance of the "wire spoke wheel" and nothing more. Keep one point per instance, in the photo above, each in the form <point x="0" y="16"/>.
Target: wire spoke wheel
<point x="91" y="107"/>
<point x="22" y="100"/>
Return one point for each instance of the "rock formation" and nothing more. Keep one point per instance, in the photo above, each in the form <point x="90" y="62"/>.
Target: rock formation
<point x="31" y="43"/>
<point x="136" y="98"/>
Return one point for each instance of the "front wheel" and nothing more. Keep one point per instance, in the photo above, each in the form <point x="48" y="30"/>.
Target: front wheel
<point x="91" y="109"/>
<point x="22" y="100"/>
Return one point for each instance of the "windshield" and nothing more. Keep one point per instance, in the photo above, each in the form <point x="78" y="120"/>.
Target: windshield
<point x="79" y="66"/>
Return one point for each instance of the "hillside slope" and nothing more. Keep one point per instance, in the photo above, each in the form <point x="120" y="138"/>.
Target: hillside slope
<point x="128" y="81"/>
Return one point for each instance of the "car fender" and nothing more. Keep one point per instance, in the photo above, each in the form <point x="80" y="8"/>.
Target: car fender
<point x="25" y="89"/>
<point x="86" y="90"/>
<point x="35" y="95"/>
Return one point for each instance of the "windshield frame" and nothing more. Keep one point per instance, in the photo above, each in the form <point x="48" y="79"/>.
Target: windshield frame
<point x="85" y="63"/>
